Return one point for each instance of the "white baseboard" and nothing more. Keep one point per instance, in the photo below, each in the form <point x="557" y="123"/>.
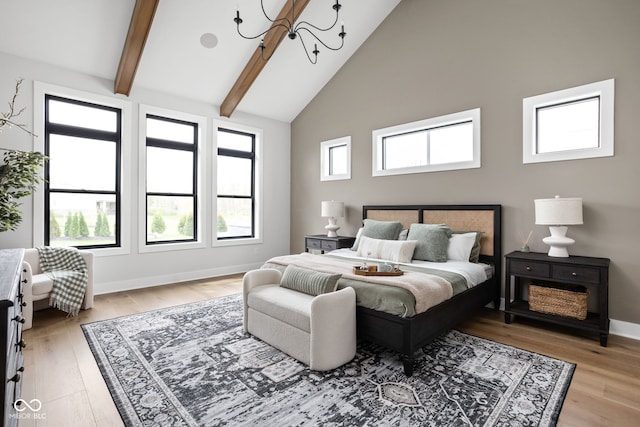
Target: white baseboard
<point x="624" y="329"/>
<point x="616" y="327"/>
<point x="150" y="281"/>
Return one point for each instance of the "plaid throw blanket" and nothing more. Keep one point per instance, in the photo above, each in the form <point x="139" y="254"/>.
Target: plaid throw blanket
<point x="68" y="271"/>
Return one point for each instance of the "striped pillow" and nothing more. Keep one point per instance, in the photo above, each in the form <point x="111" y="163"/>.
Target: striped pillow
<point x="388" y="250"/>
<point x="309" y="281"/>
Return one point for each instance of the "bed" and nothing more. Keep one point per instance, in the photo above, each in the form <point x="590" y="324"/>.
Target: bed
<point x="407" y="334"/>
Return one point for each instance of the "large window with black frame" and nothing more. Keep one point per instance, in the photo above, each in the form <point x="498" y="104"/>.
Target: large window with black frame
<point x="82" y="176"/>
<point x="171" y="180"/>
<point x="235" y="184"/>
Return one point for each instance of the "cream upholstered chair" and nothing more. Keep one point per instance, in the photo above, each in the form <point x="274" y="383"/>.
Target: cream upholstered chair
<point x="319" y="331"/>
<point x="37" y="285"/>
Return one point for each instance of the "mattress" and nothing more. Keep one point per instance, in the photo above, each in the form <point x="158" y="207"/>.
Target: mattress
<point x="396" y="300"/>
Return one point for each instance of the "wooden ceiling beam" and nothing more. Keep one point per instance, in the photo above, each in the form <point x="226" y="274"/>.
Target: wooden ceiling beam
<point x="255" y="65"/>
<point x="139" y="28"/>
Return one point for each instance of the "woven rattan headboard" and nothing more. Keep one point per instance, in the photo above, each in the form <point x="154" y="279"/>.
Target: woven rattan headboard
<point x="485" y="218"/>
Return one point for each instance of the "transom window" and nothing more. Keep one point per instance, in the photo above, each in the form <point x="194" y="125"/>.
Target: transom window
<point x="441" y="143"/>
<point x="82" y="188"/>
<point x="574" y="123"/>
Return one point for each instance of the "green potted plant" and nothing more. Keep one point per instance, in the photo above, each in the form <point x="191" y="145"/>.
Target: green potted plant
<point x="19" y="171"/>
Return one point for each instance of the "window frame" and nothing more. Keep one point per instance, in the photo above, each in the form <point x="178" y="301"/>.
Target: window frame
<point x="40" y="91"/>
<point x="176" y="146"/>
<point x="256" y="184"/>
<point x="603" y="90"/>
<point x="199" y="180"/>
<point x="84" y="133"/>
<point x="326" y="159"/>
<point x="378" y="136"/>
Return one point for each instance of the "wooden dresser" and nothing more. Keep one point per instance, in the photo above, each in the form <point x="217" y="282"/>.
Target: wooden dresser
<point x="11" y="342"/>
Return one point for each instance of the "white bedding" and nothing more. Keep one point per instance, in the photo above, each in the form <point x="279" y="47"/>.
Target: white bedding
<point x="474" y="273"/>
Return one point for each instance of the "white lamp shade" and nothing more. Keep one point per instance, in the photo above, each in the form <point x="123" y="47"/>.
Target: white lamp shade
<point x="332" y="209"/>
<point x="559" y="211"/>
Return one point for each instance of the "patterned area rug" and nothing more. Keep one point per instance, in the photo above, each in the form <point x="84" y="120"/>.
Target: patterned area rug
<point x="191" y="365"/>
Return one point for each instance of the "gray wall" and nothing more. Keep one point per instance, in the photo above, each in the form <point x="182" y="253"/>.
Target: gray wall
<point x="434" y="57"/>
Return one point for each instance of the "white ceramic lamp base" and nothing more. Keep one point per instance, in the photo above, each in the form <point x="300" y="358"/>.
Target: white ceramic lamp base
<point x="558" y="242"/>
<point x="331" y="228"/>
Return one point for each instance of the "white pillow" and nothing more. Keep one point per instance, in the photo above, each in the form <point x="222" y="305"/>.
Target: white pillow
<point x="389" y="250"/>
<point x="460" y="246"/>
<point x="357" y="241"/>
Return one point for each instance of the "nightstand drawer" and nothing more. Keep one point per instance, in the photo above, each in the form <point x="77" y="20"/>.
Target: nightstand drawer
<point x="314" y="244"/>
<point x="329" y="245"/>
<point x="324" y="243"/>
<point x="569" y="273"/>
<point x="529" y="268"/>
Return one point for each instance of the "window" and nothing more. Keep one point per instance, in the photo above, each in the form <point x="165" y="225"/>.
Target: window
<point x="171" y="180"/>
<point x="442" y="143"/>
<point x="335" y="159"/>
<point x="82" y="190"/>
<point x="575" y="123"/>
<point x="236" y="184"/>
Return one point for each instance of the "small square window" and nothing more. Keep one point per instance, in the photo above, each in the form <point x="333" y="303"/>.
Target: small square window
<point x="335" y="159"/>
<point x="575" y="123"/>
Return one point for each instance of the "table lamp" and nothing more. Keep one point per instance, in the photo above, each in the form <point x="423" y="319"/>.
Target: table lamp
<point x="332" y="210"/>
<point x="557" y="213"/>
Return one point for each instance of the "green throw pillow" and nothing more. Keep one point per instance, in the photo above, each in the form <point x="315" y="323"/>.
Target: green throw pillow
<point x="382" y="230"/>
<point x="432" y="241"/>
<point x="309" y="281"/>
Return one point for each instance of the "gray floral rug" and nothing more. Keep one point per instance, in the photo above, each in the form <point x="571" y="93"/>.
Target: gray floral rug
<point x="191" y="365"/>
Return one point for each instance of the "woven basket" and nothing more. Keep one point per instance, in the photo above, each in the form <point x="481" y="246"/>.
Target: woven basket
<point x="559" y="299"/>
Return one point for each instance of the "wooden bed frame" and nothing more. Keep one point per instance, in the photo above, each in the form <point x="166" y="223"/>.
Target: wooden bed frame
<point x="406" y="335"/>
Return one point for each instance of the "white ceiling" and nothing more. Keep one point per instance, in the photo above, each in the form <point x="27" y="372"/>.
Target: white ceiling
<point x="88" y="36"/>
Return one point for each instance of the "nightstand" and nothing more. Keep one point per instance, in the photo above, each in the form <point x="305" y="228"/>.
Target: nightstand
<point x="327" y="244"/>
<point x="593" y="273"/>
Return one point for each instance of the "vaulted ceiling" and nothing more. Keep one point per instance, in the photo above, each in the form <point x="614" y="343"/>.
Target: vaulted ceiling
<point x="155" y="44"/>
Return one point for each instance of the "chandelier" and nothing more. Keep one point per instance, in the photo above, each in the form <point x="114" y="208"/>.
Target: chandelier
<point x="295" y="31"/>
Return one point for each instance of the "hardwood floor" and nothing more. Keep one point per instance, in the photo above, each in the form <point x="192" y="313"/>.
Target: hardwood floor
<point x="61" y="372"/>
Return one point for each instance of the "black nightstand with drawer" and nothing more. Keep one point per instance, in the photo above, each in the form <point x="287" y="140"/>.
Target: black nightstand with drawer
<point x="324" y="244"/>
<point x="524" y="267"/>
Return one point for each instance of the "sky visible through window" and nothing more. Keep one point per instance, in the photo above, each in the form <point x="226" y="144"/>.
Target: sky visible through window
<point x="338" y="160"/>
<point x="440" y="145"/>
<point x="569" y="126"/>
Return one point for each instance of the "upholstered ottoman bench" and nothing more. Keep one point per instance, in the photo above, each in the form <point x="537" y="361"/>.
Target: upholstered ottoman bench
<point x="318" y="330"/>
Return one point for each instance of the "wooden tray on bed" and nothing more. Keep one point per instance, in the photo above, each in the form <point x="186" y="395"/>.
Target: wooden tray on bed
<point x="356" y="270"/>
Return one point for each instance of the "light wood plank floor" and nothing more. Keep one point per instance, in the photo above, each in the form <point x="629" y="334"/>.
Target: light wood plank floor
<point x="61" y="372"/>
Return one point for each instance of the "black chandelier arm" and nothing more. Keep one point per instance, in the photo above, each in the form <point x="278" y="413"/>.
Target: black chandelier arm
<point x="342" y="35"/>
<point x="301" y="23"/>
<point x="336" y="7"/>
<point x="277" y="20"/>
<point x="306" y="51"/>
<point x="262" y="33"/>
<point x="262" y="48"/>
